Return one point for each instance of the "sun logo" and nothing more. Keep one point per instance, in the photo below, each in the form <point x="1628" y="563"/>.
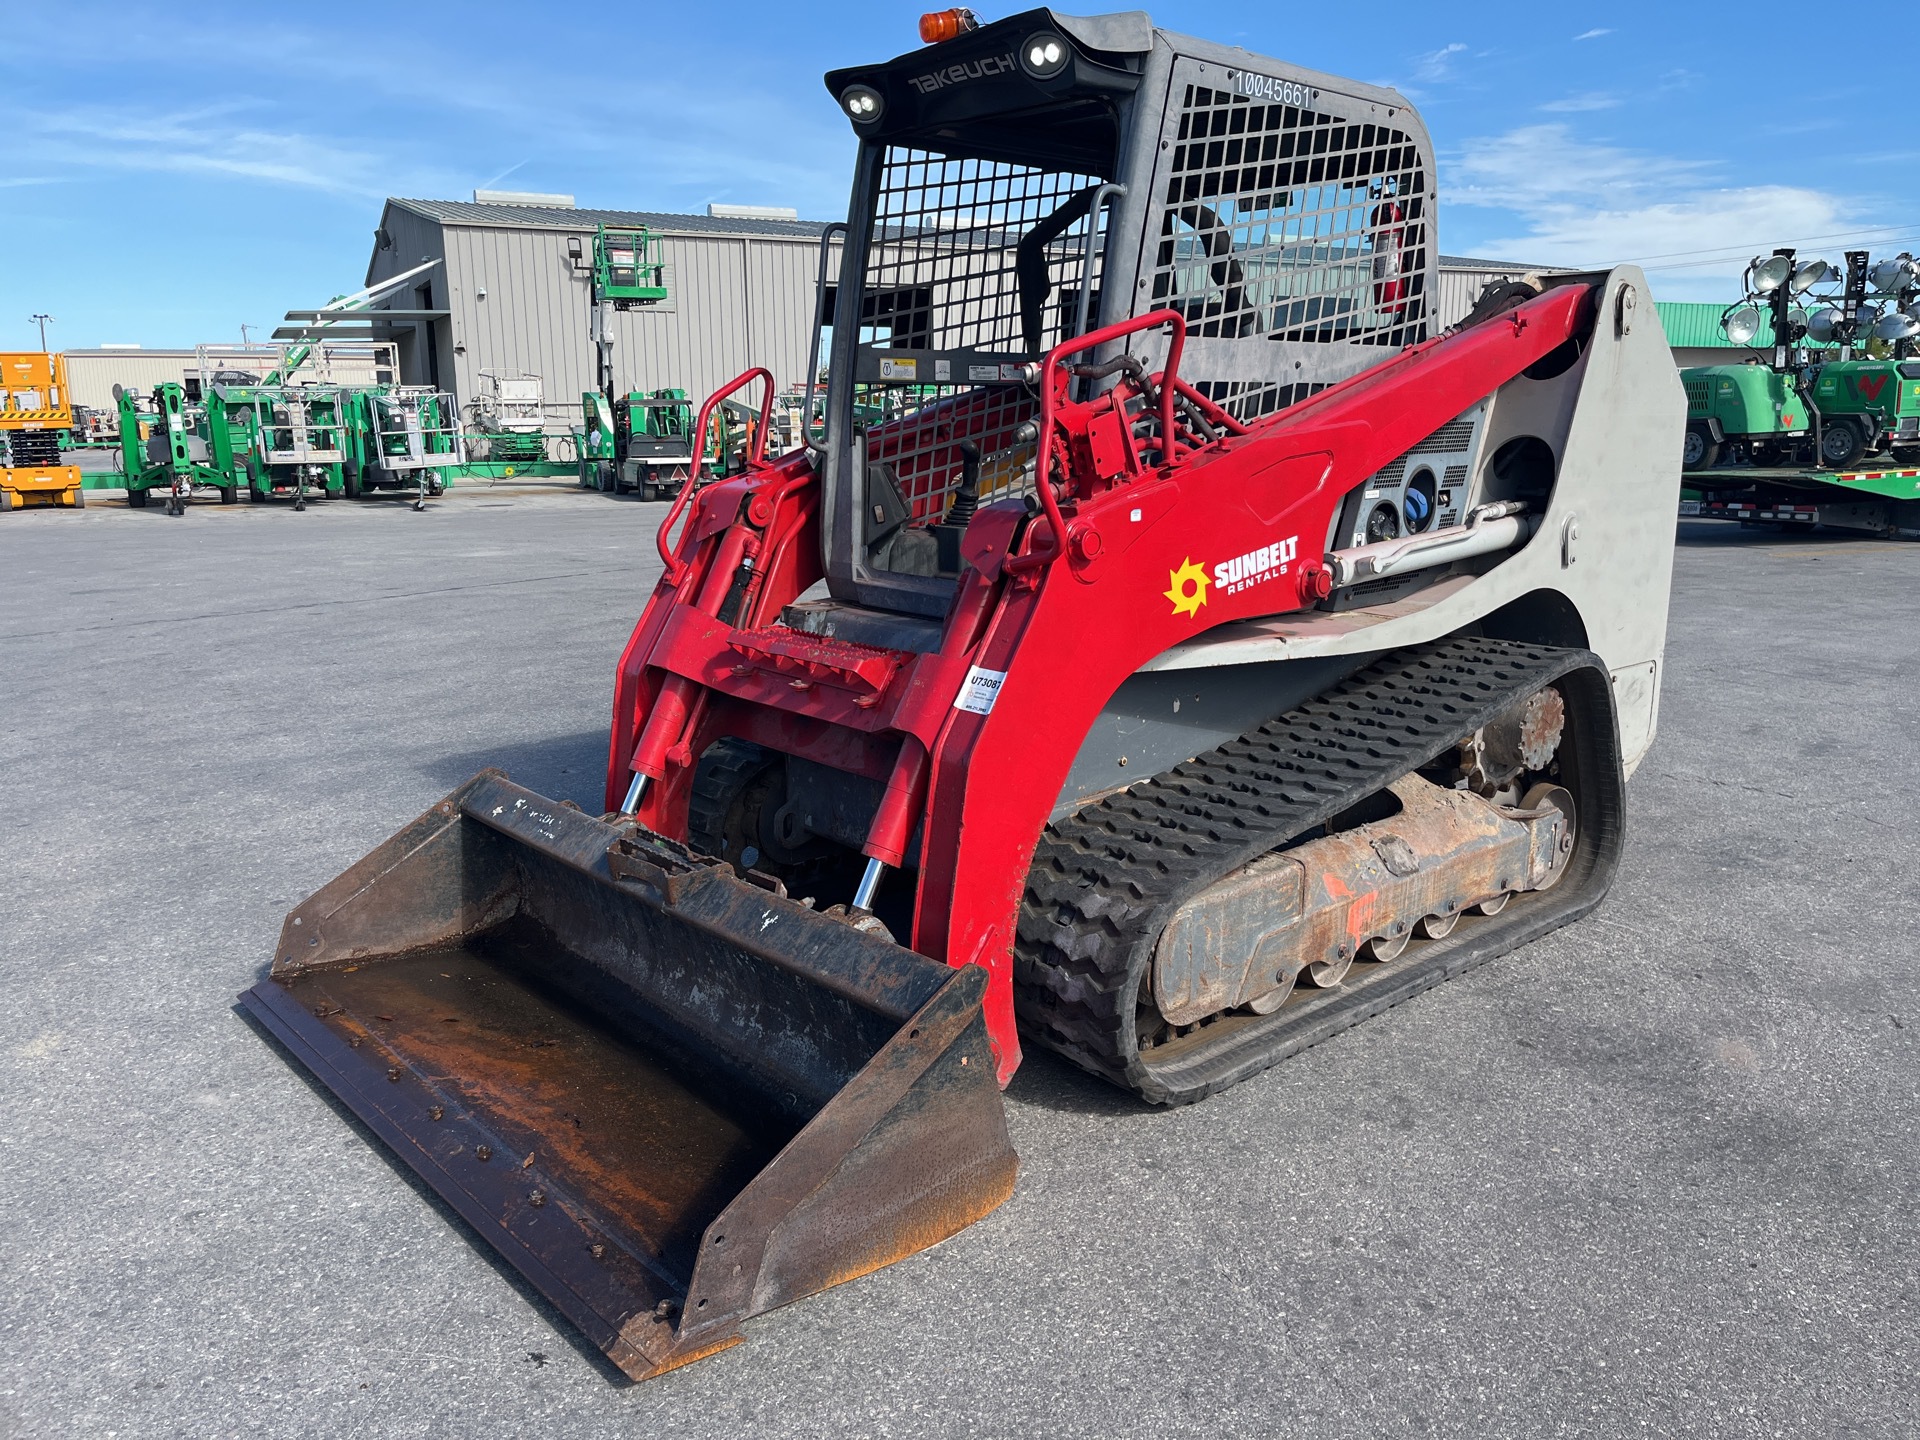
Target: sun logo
<point x="1187" y="588"/>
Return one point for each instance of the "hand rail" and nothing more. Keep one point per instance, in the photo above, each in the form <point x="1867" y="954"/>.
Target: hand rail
<point x="1093" y="339"/>
<point x="1083" y="304"/>
<point x="756" y="456"/>
<point x="813" y="345"/>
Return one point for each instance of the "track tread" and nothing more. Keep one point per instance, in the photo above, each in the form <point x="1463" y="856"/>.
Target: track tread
<point x="1104" y="880"/>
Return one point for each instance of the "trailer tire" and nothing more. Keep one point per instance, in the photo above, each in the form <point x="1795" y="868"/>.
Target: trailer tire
<point x="1841" y="444"/>
<point x="1699" y="450"/>
<point x="351" y="485"/>
<point x="229" y="494"/>
<point x="136" y="499"/>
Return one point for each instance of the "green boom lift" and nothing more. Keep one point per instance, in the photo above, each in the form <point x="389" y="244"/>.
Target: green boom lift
<point x="641" y="440"/>
<point x="163" y="446"/>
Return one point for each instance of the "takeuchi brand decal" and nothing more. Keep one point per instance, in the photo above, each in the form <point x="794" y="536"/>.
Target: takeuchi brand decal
<point x="1188" y="586"/>
<point x="966" y="70"/>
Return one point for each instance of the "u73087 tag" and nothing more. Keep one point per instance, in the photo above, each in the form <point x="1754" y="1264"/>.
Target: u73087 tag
<point x="979" y="690"/>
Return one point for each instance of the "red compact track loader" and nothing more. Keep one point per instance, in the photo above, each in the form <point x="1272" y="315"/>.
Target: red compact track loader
<point x="1172" y="646"/>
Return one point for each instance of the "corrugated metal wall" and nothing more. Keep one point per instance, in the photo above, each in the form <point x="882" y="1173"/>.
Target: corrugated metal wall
<point x="736" y="302"/>
<point x="1460" y="288"/>
<point x="412" y="239"/>
<point x="92" y="374"/>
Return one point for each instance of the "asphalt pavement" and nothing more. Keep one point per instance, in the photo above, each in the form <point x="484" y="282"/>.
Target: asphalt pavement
<point x="1654" y="1174"/>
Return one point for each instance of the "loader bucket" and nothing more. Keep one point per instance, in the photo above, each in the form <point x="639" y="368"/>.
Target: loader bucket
<point x="671" y="1099"/>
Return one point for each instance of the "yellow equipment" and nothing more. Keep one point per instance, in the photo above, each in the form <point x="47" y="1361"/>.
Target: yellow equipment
<point x="35" y="408"/>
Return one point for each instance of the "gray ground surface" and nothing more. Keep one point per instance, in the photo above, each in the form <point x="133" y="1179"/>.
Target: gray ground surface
<point x="1654" y="1174"/>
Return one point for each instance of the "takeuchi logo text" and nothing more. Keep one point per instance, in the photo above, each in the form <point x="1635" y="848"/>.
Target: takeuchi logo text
<point x="967" y="70"/>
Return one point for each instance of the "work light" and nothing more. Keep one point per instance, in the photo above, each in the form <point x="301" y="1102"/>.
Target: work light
<point x="862" y="103"/>
<point x="1044" y="55"/>
<point x="1741" y="325"/>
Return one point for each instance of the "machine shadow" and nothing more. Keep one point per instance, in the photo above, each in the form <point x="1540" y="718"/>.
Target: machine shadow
<point x="563" y="767"/>
<point x="1726" y="535"/>
<point x="1044" y="1081"/>
<point x="559" y="1323"/>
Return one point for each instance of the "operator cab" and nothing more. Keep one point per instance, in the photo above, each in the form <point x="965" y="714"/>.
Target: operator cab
<point x="1024" y="182"/>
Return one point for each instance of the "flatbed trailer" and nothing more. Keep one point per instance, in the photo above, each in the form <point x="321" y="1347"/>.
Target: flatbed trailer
<point x="1882" y="501"/>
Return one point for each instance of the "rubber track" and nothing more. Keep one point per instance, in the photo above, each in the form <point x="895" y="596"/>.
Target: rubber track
<point x="1105" y="880"/>
<point x="725" y="771"/>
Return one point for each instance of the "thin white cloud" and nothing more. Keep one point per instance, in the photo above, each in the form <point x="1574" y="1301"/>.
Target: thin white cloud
<point x="1536" y="165"/>
<point x="1437" y="65"/>
<point x="1579" y="104"/>
<point x="1581" y="203"/>
<point x="214" y="141"/>
<point x="1591" y="34"/>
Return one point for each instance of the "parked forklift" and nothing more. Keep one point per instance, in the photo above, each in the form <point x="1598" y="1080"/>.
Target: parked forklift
<point x="36" y="416"/>
<point x="1296" y="665"/>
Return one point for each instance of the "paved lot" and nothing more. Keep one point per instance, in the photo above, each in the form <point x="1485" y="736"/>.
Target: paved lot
<point x="1654" y="1174"/>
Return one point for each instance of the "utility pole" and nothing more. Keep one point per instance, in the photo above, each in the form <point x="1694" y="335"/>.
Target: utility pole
<point x="243" y="335"/>
<point x="41" y="321"/>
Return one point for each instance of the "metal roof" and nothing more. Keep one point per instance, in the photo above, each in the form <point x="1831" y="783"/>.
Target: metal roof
<point x="1695" y="325"/>
<point x="543" y="217"/>
<point x="1502" y="267"/>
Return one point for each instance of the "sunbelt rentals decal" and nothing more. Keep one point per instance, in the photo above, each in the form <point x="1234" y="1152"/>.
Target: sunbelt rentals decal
<point x="1189" y="585"/>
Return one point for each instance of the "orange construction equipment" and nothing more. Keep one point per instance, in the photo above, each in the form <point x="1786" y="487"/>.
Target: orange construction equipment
<point x="36" y="408"/>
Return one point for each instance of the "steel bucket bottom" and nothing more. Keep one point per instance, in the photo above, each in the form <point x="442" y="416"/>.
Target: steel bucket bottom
<point x="670" y="1099"/>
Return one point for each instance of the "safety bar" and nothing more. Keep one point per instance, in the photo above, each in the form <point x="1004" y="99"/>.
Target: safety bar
<point x="838" y="227"/>
<point x="1083" y="304"/>
<point x="1043" y="456"/>
<point x="756" y="456"/>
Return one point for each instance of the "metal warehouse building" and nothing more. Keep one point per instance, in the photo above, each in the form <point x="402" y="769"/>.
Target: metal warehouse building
<point x="512" y="296"/>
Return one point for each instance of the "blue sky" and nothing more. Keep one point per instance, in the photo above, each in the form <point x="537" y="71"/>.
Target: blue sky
<point x="172" y="174"/>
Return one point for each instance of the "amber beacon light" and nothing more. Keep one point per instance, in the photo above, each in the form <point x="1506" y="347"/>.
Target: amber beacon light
<point x="939" y="25"/>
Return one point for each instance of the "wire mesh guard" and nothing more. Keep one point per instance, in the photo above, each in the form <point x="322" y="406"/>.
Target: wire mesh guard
<point x="965" y="255"/>
<point x="1292" y="224"/>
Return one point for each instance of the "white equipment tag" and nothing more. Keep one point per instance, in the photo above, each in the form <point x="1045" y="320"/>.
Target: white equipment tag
<point x="979" y="690"/>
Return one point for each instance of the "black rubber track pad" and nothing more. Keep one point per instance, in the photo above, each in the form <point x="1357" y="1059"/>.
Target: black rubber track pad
<point x="1106" y="880"/>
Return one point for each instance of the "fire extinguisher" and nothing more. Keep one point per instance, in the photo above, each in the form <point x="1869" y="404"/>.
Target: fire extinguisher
<point x="1392" y="258"/>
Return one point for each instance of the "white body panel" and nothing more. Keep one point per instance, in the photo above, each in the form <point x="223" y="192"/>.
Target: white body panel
<point x="1606" y="541"/>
